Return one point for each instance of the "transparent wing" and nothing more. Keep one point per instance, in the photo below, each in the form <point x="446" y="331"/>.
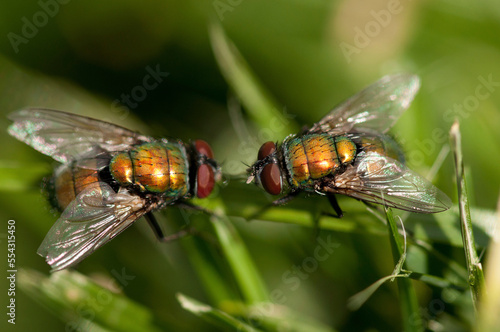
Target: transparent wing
<point x="95" y="217"/>
<point x="376" y="108"/>
<point x="65" y="136"/>
<point x="382" y="180"/>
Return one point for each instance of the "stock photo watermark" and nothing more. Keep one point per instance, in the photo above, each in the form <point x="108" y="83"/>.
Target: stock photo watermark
<point x="222" y="7"/>
<point x="89" y="308"/>
<point x="293" y="278"/>
<point x="32" y="25"/>
<point x="363" y="36"/>
<point x="462" y="110"/>
<point x="426" y="316"/>
<point x="250" y="143"/>
<point x="11" y="271"/>
<point x="151" y="80"/>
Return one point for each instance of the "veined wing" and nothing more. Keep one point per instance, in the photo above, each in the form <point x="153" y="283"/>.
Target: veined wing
<point x="377" y="107"/>
<point x="65" y="136"/>
<point x="92" y="219"/>
<point x="382" y="180"/>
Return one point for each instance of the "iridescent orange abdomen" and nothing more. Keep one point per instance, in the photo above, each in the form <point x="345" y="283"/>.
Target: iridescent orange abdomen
<point x="157" y="167"/>
<point x="383" y="145"/>
<point x="311" y="157"/>
<point x="70" y="179"/>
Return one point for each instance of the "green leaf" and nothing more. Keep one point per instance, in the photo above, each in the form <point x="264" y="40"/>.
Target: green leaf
<point x="408" y="298"/>
<point x="357" y="300"/>
<point x="489" y="320"/>
<point x="244" y="270"/>
<point x="251" y="203"/>
<point x="263" y="109"/>
<point x="208" y="271"/>
<point x="476" y="277"/>
<point x="276" y="317"/>
<point x="445" y="227"/>
<point x="83" y="304"/>
<point x="213" y="315"/>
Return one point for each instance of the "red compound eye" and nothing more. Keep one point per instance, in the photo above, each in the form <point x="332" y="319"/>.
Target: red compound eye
<point x="203" y="148"/>
<point x="271" y="179"/>
<point x="266" y="149"/>
<point x="204" y="181"/>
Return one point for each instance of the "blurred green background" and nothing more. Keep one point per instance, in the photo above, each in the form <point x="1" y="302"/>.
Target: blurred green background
<point x="305" y="57"/>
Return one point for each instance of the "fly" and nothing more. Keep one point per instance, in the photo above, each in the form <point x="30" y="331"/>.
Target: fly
<point x="348" y="152"/>
<point x="109" y="178"/>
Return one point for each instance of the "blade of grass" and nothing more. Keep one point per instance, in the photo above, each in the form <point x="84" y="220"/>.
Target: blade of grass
<point x="434" y="280"/>
<point x="412" y="320"/>
<point x="445" y="227"/>
<point x="357" y="300"/>
<point x="490" y="305"/>
<point x="256" y="99"/>
<point x="244" y="270"/>
<point x="453" y="265"/>
<point x="83" y="304"/>
<point x="247" y="201"/>
<point x="445" y="150"/>
<point x="218" y="289"/>
<point x="276" y="317"/>
<point x="213" y="315"/>
<point x="258" y="308"/>
<point x="476" y="277"/>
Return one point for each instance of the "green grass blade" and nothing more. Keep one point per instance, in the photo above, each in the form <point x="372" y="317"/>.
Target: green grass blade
<point x="249" y="281"/>
<point x="489" y="320"/>
<point x="276" y="317"/>
<point x="251" y="92"/>
<point x="214" y="284"/>
<point x="83" y="304"/>
<point x="476" y="277"/>
<point x="357" y="300"/>
<point x="453" y="265"/>
<point x="247" y="201"/>
<point x="409" y="304"/>
<point x="213" y="315"/>
<point x="434" y="280"/>
<point x="445" y="227"/>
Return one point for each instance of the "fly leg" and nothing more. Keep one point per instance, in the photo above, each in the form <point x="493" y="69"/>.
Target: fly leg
<point x="154" y="225"/>
<point x="335" y="205"/>
<point x="176" y="236"/>
<point x="285" y="199"/>
<point x="304" y="129"/>
<point x="189" y="206"/>
<point x="159" y="232"/>
<point x="186" y="209"/>
<point x="280" y="201"/>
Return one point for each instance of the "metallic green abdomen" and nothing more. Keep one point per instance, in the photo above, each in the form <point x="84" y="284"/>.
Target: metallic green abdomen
<point x="155" y="167"/>
<point x="311" y="157"/>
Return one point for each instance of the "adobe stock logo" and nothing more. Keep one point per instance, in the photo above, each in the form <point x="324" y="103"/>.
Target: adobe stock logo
<point x="150" y="81"/>
<point x="30" y="28"/>
<point x="90" y="307"/>
<point x="484" y="89"/>
<point x="222" y="7"/>
<point x="372" y="29"/>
